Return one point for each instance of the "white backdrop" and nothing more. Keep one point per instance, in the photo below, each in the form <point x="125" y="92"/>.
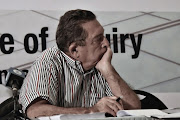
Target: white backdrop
<point x="96" y="5"/>
<point x="155" y="69"/>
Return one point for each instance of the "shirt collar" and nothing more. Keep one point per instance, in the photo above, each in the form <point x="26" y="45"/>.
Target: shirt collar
<point x="74" y="63"/>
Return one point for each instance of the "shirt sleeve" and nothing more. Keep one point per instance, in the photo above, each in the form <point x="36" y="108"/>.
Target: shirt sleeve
<point x="108" y="90"/>
<point x="41" y="82"/>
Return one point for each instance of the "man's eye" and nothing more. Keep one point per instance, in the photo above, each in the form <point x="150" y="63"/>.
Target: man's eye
<point x="98" y="39"/>
<point x="101" y="38"/>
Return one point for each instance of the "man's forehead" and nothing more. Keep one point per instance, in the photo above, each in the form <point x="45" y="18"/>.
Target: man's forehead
<point x="93" y="28"/>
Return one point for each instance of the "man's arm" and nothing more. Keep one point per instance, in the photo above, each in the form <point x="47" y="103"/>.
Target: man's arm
<point x="40" y="107"/>
<point x="118" y="86"/>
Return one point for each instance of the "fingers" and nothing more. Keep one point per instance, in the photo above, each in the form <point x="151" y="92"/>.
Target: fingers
<point x="113" y="107"/>
<point x="111" y="111"/>
<point x="117" y="104"/>
<point x="109" y="105"/>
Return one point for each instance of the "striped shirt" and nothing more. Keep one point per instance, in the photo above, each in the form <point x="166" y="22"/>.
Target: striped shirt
<point x="57" y="78"/>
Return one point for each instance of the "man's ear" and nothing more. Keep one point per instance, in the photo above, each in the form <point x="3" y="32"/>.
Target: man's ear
<point x="73" y="50"/>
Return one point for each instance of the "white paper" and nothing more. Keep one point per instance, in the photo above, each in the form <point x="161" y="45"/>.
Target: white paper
<point x="140" y="112"/>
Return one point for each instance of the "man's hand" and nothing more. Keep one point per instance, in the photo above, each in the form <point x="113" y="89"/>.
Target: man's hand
<point x="105" y="60"/>
<point x="108" y="105"/>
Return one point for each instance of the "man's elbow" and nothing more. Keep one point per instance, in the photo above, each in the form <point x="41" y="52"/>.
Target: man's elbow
<point x="137" y="105"/>
<point x="31" y="112"/>
<point x="30" y="115"/>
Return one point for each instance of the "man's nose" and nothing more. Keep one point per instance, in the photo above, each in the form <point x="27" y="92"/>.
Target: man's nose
<point x="105" y="42"/>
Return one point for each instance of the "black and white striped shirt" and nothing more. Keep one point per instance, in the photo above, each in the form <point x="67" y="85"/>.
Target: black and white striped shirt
<point x="62" y="81"/>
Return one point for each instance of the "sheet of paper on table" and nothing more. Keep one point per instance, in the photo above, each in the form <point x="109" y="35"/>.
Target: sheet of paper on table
<point x="172" y="115"/>
<point x="121" y="113"/>
<point x="140" y="112"/>
<point x="73" y="116"/>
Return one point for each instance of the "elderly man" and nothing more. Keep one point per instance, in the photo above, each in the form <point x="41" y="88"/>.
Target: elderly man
<point x="77" y="76"/>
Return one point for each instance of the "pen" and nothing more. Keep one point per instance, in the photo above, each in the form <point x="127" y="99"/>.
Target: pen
<point x="118" y="99"/>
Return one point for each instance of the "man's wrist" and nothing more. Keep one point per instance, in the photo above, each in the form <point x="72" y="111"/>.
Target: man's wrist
<point x="107" y="67"/>
<point x="110" y="74"/>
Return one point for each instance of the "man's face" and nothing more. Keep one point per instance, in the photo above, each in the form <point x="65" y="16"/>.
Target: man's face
<point x="95" y="46"/>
